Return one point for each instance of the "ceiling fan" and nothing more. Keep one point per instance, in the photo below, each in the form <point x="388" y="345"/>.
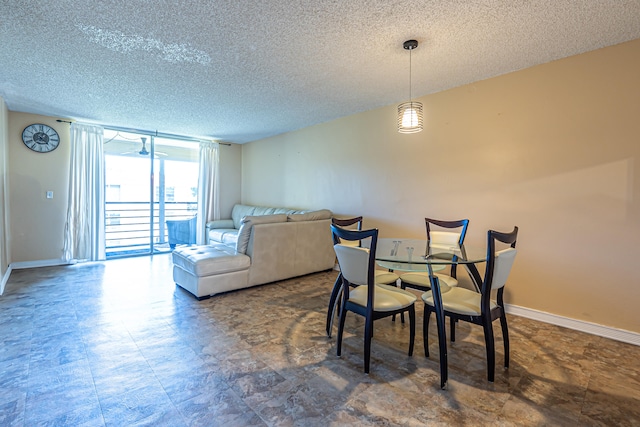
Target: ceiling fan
<point x="143" y="151"/>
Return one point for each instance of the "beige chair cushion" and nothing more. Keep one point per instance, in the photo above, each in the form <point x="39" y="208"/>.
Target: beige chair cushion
<point x="459" y="300"/>
<point x="353" y="263"/>
<point x="422" y="279"/>
<point x="385" y="277"/>
<point x="354" y="266"/>
<point x="387" y="298"/>
<point x="502" y="267"/>
<point x="446" y="240"/>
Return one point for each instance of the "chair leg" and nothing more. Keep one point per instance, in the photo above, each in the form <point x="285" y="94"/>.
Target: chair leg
<point x="393" y="318"/>
<point x="425" y="330"/>
<point x="333" y="303"/>
<point x="404" y="288"/>
<point x="412" y="328"/>
<point x="491" y="352"/>
<point x="368" y="334"/>
<point x="505" y="337"/>
<point x="452" y="326"/>
<point x="343" y="314"/>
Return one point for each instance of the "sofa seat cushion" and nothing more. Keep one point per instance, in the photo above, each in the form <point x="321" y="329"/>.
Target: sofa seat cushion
<point x="227" y="236"/>
<point x="209" y="260"/>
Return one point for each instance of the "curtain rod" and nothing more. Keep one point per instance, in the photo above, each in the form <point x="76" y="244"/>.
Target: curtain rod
<point x="153" y="133"/>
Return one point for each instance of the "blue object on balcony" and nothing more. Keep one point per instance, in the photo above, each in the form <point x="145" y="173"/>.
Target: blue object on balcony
<point x="182" y="231"/>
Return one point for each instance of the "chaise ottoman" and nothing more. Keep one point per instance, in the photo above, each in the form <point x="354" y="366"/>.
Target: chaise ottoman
<point x="210" y="269"/>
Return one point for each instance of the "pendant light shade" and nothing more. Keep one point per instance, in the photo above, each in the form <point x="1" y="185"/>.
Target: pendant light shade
<point x="410" y="117"/>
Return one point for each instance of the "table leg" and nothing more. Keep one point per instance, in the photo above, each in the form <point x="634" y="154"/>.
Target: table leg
<point x="440" y="322"/>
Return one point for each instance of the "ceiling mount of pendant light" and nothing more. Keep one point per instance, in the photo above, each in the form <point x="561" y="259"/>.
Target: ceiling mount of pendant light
<point x="410" y="117"/>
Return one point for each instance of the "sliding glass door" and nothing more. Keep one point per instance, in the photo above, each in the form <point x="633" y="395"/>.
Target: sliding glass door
<point x="151" y="185"/>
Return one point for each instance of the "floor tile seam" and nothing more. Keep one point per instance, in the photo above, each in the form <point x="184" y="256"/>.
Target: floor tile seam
<point x="510" y="399"/>
<point x="21" y="402"/>
<point x="174" y="405"/>
<point x="585" y="403"/>
<point x="158" y="380"/>
<point x="29" y="370"/>
<point x="93" y="378"/>
<point x="91" y="372"/>
<point x="231" y="390"/>
<point x="522" y="397"/>
<point x="183" y="416"/>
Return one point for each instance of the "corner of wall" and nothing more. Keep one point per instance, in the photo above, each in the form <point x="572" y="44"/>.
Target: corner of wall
<point x="5" y="256"/>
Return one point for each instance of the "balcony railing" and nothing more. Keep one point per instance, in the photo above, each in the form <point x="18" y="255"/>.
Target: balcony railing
<point x="129" y="230"/>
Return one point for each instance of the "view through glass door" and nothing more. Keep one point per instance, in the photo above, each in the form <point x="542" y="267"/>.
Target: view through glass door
<point x="150" y="187"/>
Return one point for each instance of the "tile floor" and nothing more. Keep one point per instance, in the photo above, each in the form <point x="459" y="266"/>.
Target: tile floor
<point x="118" y="344"/>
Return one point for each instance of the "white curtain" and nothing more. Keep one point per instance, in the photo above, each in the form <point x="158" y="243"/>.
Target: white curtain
<point x="84" y="231"/>
<point x="208" y="189"/>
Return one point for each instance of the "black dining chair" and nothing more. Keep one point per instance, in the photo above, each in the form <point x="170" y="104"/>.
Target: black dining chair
<point x="479" y="307"/>
<point x="368" y="299"/>
<point x="438" y="239"/>
<point x="381" y="277"/>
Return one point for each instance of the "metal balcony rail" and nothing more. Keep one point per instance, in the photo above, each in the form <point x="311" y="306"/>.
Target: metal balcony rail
<point x="128" y="226"/>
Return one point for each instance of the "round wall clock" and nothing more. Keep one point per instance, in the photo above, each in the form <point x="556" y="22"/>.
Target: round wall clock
<point x="40" y="138"/>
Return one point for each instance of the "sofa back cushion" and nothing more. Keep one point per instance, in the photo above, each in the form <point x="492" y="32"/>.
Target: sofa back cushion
<point x="309" y="215"/>
<point x="240" y="211"/>
<point x="248" y="222"/>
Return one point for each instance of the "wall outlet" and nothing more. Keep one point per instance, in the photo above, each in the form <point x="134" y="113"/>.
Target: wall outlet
<point x="49" y="194"/>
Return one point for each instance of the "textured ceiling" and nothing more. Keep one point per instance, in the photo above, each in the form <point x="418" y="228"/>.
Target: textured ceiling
<point x="241" y="70"/>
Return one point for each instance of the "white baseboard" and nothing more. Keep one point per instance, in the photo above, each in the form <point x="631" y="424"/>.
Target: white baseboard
<point x="578" y="325"/>
<point x="5" y="279"/>
<point x="40" y="263"/>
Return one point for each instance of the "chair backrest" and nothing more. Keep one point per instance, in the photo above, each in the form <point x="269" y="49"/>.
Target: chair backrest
<point x="502" y="267"/>
<point x="349" y="224"/>
<point x="354" y="263"/>
<point x="357" y="264"/>
<point x="499" y="263"/>
<point x="446" y="239"/>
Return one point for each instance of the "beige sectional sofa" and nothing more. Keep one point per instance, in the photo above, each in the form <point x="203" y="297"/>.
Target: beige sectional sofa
<point x="257" y="245"/>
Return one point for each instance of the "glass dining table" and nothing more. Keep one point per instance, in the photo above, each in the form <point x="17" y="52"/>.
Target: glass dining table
<point x="411" y="255"/>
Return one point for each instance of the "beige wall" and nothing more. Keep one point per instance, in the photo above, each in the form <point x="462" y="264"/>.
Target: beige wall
<point x="37" y="223"/>
<point x="551" y="149"/>
<point x="4" y="207"/>
<point x="230" y="177"/>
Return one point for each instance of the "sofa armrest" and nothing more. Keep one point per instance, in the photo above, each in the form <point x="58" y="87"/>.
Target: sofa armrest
<point x="220" y="223"/>
<point x="248" y="222"/>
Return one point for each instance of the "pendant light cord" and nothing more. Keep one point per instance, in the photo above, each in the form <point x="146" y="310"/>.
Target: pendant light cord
<point x="410" y="99"/>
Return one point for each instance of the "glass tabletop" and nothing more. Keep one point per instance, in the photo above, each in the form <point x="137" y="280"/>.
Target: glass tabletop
<point x="414" y="251"/>
<point x="409" y="266"/>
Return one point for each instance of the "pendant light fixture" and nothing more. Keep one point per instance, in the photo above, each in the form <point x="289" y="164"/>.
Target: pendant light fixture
<point x="410" y="119"/>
